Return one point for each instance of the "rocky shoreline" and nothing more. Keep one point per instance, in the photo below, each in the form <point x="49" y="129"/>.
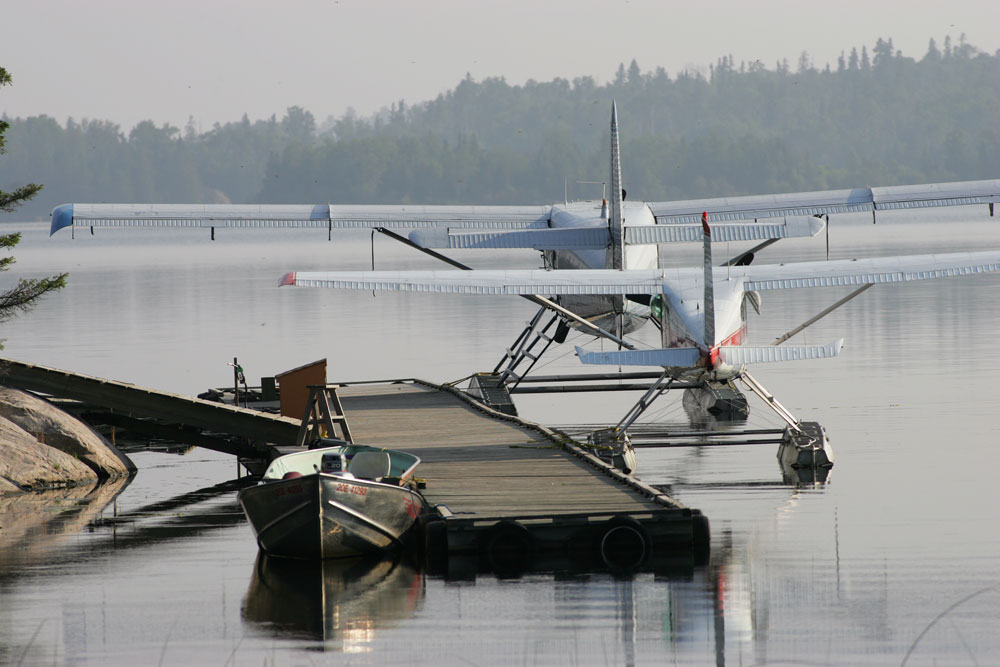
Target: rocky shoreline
<point x="43" y="447"/>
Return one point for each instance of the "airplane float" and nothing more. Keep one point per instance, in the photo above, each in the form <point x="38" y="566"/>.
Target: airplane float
<point x="601" y="276"/>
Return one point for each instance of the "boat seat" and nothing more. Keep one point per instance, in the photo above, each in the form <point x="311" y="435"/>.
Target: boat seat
<point x="369" y="465"/>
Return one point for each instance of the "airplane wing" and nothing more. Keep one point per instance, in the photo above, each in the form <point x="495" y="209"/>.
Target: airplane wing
<point x="828" y="201"/>
<point x="455" y="227"/>
<point x="515" y="282"/>
<point x="323" y="216"/>
<point x="528" y="226"/>
<point x="655" y="281"/>
<point x="861" y="271"/>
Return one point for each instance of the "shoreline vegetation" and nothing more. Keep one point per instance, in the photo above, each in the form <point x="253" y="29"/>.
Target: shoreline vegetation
<point x="875" y="117"/>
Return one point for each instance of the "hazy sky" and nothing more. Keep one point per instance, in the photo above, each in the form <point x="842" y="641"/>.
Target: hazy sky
<point x="214" y="60"/>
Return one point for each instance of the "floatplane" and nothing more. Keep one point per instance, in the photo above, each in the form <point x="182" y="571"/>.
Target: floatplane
<point x="601" y="276"/>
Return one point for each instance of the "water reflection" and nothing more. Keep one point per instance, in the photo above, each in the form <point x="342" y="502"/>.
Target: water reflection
<point x="36" y="524"/>
<point x="39" y="527"/>
<point x="341" y="602"/>
<point x="179" y="517"/>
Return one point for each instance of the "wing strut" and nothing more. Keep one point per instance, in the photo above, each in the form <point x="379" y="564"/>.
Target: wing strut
<point x="746" y="257"/>
<point x="821" y="315"/>
<point x="534" y="298"/>
<point x="770" y="400"/>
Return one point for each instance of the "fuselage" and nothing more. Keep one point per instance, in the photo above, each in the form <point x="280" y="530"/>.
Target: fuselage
<point x="603" y="310"/>
<point x="683" y="307"/>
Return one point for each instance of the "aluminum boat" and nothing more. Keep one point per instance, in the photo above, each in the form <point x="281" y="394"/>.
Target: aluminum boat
<point x="334" y="502"/>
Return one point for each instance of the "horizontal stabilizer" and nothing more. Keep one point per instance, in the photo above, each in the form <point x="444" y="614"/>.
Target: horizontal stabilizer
<point x="745" y="355"/>
<point x="792" y="227"/>
<point x="681" y="357"/>
<point x="575" y="238"/>
<point x="324" y="216"/>
<point x="686" y="357"/>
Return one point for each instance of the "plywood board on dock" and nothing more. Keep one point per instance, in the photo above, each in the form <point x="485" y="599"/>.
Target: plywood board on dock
<point x="479" y="465"/>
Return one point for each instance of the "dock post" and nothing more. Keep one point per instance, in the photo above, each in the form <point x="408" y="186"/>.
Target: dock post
<point x="236" y="382"/>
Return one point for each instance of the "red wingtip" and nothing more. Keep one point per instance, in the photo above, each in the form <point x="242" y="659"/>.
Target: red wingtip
<point x="288" y="279"/>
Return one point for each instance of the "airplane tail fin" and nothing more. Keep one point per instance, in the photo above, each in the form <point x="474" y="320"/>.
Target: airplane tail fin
<point x="616" y="217"/>
<point x="709" y="284"/>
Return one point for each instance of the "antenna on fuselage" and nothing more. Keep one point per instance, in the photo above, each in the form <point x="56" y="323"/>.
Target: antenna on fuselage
<point x="616" y="218"/>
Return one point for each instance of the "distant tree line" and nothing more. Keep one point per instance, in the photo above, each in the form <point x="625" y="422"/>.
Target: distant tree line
<point x="873" y="118"/>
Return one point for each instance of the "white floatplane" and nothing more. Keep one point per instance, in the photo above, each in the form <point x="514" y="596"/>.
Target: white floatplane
<point x="601" y="272"/>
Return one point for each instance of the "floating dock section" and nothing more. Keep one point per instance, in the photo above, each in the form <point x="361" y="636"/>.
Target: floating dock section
<point x="511" y="495"/>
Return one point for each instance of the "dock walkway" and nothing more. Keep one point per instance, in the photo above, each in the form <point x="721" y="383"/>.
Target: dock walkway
<point x="507" y="488"/>
<point x="225" y="428"/>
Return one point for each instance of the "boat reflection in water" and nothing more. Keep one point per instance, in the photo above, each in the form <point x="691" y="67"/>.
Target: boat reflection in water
<point x="341" y="602"/>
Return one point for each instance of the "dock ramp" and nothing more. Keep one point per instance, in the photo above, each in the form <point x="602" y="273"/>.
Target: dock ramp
<point x="232" y="430"/>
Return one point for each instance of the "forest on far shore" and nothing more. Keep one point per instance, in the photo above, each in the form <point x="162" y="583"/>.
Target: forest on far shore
<point x="875" y="117"/>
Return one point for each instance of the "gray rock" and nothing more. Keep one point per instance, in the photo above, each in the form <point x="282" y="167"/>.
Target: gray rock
<point x="6" y="486"/>
<point x="61" y="431"/>
<point x="27" y="465"/>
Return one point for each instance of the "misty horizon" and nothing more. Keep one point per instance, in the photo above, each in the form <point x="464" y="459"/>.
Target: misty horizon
<point x="216" y="62"/>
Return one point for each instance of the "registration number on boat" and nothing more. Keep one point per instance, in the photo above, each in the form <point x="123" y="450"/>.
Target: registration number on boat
<point x="350" y="488"/>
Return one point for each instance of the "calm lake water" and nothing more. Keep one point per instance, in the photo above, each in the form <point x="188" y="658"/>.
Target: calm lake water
<point x="895" y="560"/>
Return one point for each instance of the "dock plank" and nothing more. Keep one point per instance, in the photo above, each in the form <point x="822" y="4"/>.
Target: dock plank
<point x="478" y="465"/>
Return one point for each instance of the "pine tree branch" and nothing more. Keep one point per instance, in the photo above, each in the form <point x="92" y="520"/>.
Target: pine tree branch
<point x="23" y="298"/>
<point x="11" y="200"/>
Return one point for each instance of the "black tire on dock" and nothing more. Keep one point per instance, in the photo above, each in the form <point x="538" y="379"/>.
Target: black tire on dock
<point x="509" y="548"/>
<point x="701" y="538"/>
<point x="624" y="544"/>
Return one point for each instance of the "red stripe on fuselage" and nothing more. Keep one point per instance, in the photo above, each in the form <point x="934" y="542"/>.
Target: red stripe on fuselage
<point x="738" y="337"/>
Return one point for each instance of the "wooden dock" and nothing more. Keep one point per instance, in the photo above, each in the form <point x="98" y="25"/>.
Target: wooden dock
<point x="232" y="430"/>
<point x="507" y="495"/>
<point x="510" y="494"/>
